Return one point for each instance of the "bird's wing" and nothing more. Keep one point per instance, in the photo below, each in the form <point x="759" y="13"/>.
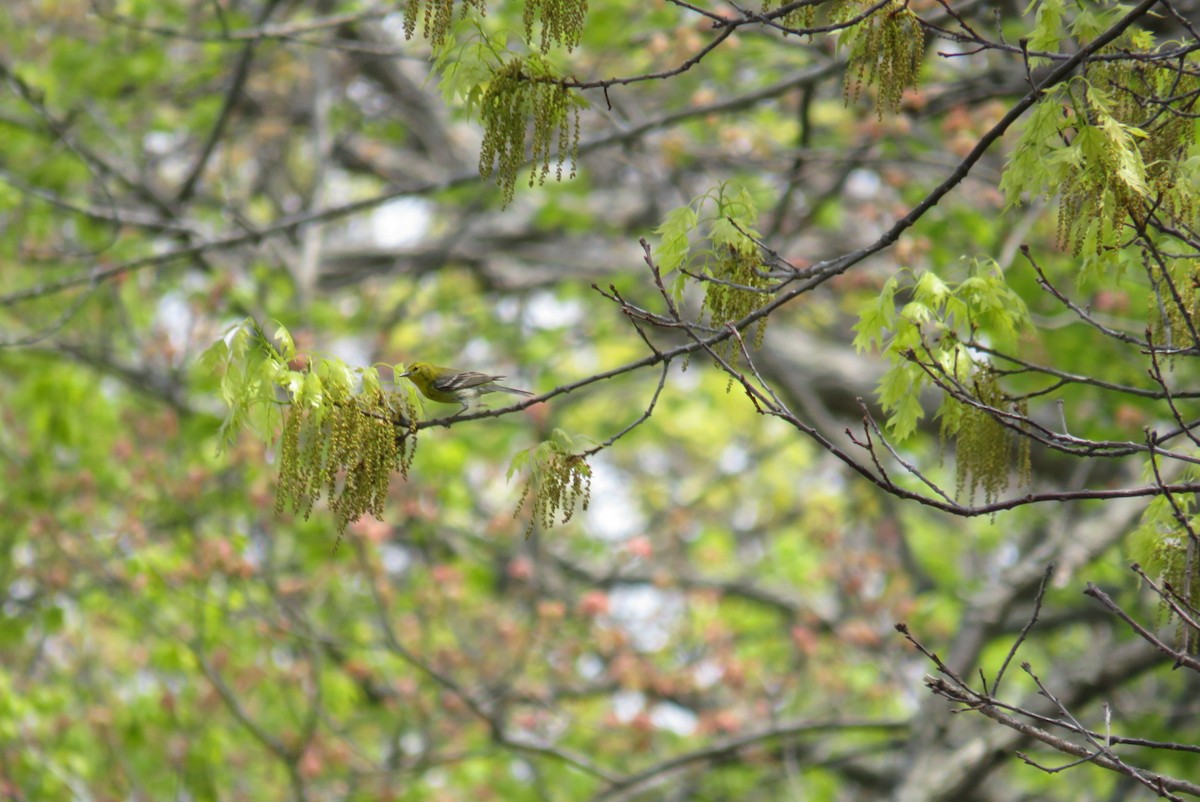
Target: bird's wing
<point x="463" y="381"/>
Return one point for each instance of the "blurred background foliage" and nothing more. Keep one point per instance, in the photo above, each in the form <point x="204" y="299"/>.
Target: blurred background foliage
<point x="717" y="625"/>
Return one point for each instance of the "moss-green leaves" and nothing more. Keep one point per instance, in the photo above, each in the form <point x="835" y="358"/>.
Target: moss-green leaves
<point x="885" y="50"/>
<point x="343" y="435"/>
<point x="1166" y="549"/>
<point x="437" y="18"/>
<point x="562" y="21"/>
<point x="560" y="480"/>
<point x="1112" y="144"/>
<point x="729" y="263"/>
<point x="348" y="448"/>
<point x="930" y="339"/>
<point x="525" y="89"/>
<point x="986" y="451"/>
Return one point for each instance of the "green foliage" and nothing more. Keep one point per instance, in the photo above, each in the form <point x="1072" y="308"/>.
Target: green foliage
<point x="465" y="67"/>
<point x="1106" y="144"/>
<point x="251" y="369"/>
<point x="346" y="445"/>
<point x="885" y="51"/>
<point x="1165" y="544"/>
<point x="796" y="18"/>
<point x="523" y="90"/>
<point x="560" y="480"/>
<point x="562" y="21"/>
<point x="735" y="281"/>
<point x="437" y="18"/>
<point x="1104" y="178"/>
<point x="1149" y="112"/>
<point x="1027" y="168"/>
<point x="344" y="435"/>
<point x="1092" y="19"/>
<point x="674" y="237"/>
<point x="936" y="326"/>
<point x="1048" y="27"/>
<point x="986" y="450"/>
<point x="741" y="286"/>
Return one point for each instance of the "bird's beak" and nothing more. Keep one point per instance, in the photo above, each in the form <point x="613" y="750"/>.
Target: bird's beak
<point x="404" y="374"/>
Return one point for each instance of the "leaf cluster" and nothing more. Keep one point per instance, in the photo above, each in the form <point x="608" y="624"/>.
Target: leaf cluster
<point x="937" y="324"/>
<point x="343" y="435"/>
<point x="562" y="21"/>
<point x="885" y="51"/>
<point x="560" y="480"/>
<point x="524" y="89"/>
<point x="731" y="270"/>
<point x="1109" y="142"/>
<point x="347" y="448"/>
<point x="437" y="18"/>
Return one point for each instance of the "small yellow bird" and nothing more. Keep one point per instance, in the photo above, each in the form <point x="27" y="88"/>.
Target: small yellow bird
<point x="450" y="386"/>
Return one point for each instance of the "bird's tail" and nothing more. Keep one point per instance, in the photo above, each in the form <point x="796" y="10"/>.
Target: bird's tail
<point x="510" y="390"/>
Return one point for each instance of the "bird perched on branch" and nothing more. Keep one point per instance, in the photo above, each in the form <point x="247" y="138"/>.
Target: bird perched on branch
<point x="450" y="386"/>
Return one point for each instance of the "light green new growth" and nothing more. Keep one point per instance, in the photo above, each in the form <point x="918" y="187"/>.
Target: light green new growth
<point x="521" y="90"/>
<point x="739" y="285"/>
<point x="562" y="21"/>
<point x="936" y="326"/>
<point x="802" y="17"/>
<point x="1115" y="144"/>
<point x="348" y="448"/>
<point x="885" y="51"/>
<point x="933" y="333"/>
<point x="1166" y="549"/>
<point x="986" y="451"/>
<point x="438" y="17"/>
<point x="343" y="435"/>
<point x="559" y="481"/>
<point x="1106" y="181"/>
<point x="1112" y="143"/>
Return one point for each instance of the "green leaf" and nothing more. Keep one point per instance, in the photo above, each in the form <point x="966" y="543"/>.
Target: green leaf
<point x="370" y="381"/>
<point x="517" y="463"/>
<point x="875" y="317"/>
<point x="1026" y="169"/>
<point x="930" y="289"/>
<point x="286" y="345"/>
<point x="312" y="393"/>
<point x="1048" y="27"/>
<point x="673" y="238"/>
<point x="899" y="392"/>
<point x="338" y="378"/>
